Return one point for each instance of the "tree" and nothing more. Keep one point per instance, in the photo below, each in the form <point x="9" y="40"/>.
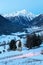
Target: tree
<point x="33" y="40"/>
<point x="29" y="41"/>
<point x="12" y="45"/>
<point x="36" y="40"/>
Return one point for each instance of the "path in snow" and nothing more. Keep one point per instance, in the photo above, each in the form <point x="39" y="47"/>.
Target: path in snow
<point x="19" y="56"/>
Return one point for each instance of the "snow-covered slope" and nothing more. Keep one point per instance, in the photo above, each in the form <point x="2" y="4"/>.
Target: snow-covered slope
<point x="24" y="57"/>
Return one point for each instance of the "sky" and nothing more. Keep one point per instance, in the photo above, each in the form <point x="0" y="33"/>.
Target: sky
<point x="9" y="6"/>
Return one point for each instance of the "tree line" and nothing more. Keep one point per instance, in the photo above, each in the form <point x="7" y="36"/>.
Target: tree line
<point x="32" y="40"/>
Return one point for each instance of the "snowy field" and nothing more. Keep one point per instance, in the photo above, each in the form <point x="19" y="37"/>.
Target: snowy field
<point x="24" y="57"/>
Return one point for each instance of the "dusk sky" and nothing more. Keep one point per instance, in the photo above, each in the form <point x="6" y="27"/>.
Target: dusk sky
<point x="9" y="6"/>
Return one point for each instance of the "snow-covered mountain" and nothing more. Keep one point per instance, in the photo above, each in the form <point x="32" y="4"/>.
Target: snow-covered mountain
<point x="24" y="13"/>
<point x="38" y="21"/>
<point x="19" y="21"/>
<point x="7" y="27"/>
<point x="21" y="18"/>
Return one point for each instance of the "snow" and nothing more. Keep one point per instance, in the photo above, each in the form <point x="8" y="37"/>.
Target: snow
<point x="35" y="29"/>
<point x="19" y="33"/>
<point x="23" y="12"/>
<point x="24" y="57"/>
<point x="8" y="38"/>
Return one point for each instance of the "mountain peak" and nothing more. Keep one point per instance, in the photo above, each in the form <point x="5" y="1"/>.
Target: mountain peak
<point x="21" y="12"/>
<point x="41" y="15"/>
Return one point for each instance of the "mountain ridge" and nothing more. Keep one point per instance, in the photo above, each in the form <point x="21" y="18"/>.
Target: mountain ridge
<point x="18" y="23"/>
